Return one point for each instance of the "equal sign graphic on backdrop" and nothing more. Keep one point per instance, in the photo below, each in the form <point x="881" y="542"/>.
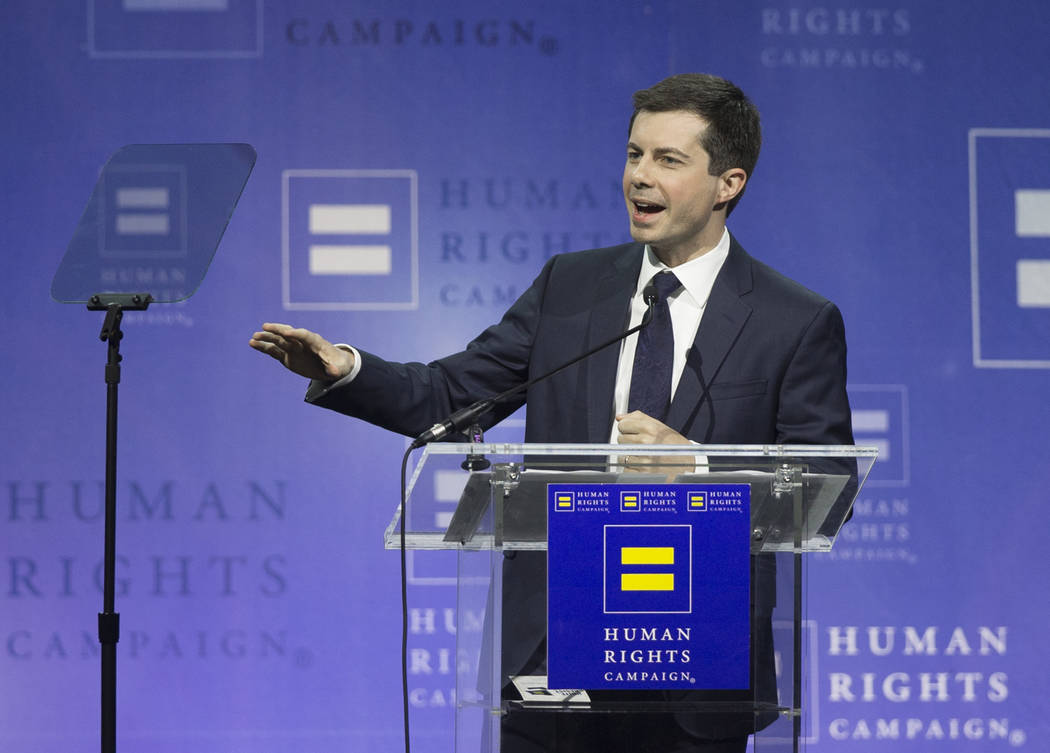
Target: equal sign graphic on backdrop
<point x="143" y="211"/>
<point x="169" y="5"/>
<point x="1032" y="220"/>
<point x="174" y="29"/>
<point x="872" y="427"/>
<point x="330" y="220"/>
<point x="448" y="488"/>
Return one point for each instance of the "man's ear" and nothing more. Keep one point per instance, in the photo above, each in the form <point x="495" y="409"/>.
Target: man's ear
<point x="730" y="184"/>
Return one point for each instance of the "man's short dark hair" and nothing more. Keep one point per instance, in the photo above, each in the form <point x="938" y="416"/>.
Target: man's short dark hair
<point x="733" y="136"/>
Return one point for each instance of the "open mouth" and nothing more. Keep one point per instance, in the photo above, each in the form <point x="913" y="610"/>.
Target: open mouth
<point x="645" y="209"/>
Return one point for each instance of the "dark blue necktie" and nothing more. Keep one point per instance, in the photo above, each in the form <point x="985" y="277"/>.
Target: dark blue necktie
<point x="654" y="356"/>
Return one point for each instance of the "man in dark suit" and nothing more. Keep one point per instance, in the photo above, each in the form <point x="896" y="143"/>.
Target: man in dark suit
<point x="751" y="357"/>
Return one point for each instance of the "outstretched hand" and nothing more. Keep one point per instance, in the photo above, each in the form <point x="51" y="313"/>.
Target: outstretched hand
<point x="304" y="352"/>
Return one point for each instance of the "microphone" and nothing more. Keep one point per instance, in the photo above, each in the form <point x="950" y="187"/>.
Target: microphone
<point x="651" y="298"/>
<point x="465" y="417"/>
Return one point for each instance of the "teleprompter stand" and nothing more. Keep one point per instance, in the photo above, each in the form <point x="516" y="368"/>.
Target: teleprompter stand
<point x="154" y="207"/>
<point x="114" y="304"/>
<point x="503" y="530"/>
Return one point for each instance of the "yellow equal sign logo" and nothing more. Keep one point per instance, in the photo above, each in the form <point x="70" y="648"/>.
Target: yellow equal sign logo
<point x="647" y="555"/>
<point x="698" y="501"/>
<point x="630" y="501"/>
<point x="564" y="501"/>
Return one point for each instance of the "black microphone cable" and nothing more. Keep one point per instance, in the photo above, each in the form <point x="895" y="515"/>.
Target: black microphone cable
<point x="404" y="596"/>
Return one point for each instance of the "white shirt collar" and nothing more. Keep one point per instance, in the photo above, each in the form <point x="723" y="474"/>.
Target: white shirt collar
<point x="696" y="275"/>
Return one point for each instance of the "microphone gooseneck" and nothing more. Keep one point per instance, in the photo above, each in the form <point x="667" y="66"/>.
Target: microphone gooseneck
<point x="464" y="417"/>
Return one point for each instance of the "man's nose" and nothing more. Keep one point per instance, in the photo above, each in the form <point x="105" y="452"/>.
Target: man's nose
<point x="640" y="173"/>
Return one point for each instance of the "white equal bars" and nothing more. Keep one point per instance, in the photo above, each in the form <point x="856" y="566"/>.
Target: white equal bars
<point x="871" y="420"/>
<point x="1032" y="220"/>
<point x="1032" y="213"/>
<point x="142" y="210"/>
<point x="349" y="219"/>
<point x="1033" y="283"/>
<point x="167" y="5"/>
<point x="350" y="259"/>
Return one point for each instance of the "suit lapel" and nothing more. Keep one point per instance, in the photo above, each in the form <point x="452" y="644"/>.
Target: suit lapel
<point x="724" y="317"/>
<point x="609" y="317"/>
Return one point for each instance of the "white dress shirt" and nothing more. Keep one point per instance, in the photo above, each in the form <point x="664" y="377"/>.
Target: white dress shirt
<point x="687" y="306"/>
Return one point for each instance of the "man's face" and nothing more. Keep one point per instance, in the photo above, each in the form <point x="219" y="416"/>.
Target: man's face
<point x="670" y="195"/>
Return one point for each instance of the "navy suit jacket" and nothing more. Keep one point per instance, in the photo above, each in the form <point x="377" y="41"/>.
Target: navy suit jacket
<point x="768" y="364"/>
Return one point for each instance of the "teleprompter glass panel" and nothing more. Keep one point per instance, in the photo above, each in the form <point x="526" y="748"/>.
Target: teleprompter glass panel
<point x="154" y="221"/>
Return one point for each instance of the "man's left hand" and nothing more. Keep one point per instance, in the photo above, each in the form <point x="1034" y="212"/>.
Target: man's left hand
<point x="639" y="428"/>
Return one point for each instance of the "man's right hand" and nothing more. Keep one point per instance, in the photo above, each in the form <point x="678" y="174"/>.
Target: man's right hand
<point x="304" y="352"/>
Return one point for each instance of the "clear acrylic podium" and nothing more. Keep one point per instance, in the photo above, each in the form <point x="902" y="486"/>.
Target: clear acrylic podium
<point x="800" y="497"/>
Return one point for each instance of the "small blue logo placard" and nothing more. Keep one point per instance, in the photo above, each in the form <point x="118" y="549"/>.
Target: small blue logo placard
<point x="648" y="586"/>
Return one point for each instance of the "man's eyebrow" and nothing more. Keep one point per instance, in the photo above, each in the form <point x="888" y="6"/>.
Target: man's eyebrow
<point x="661" y="150"/>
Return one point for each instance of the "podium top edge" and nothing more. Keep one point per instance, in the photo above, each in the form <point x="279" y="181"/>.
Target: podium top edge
<point x="769" y="451"/>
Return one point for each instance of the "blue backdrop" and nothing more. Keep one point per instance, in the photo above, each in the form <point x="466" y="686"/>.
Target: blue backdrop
<point x="905" y="175"/>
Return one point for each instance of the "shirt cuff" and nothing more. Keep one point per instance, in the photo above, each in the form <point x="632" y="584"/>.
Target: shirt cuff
<point x="357" y="364"/>
<point x="318" y="388"/>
